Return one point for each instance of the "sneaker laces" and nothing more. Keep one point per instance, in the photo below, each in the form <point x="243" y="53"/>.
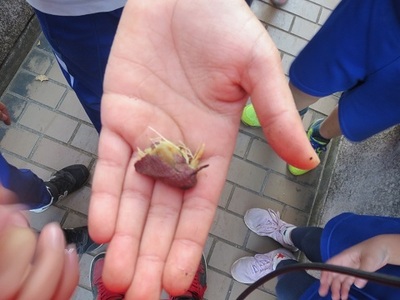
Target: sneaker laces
<point x="62" y="181"/>
<point x="275" y="227"/>
<point x="317" y="145"/>
<point x="261" y="263"/>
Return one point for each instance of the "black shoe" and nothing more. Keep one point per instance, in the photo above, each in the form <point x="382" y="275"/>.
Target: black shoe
<point x="63" y="183"/>
<point x="66" y="181"/>
<point x="80" y="237"/>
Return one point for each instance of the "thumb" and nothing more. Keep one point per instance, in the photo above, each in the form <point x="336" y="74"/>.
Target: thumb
<point x="276" y="109"/>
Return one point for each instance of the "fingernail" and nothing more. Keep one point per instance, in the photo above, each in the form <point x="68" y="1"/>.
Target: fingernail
<point x="359" y="284"/>
<point x="71" y="256"/>
<point x="56" y="236"/>
<point x="70" y="249"/>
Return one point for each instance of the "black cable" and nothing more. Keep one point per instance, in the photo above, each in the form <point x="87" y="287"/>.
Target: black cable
<point x="376" y="277"/>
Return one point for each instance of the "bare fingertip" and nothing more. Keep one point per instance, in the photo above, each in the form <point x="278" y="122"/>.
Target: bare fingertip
<point x="360" y="284"/>
<point x="322" y="293"/>
<point x="54" y="234"/>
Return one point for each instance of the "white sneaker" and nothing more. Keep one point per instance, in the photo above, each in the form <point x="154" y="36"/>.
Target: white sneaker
<point x="249" y="269"/>
<point x="266" y="222"/>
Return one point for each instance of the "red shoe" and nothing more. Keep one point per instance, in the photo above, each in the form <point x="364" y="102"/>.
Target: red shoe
<point x="98" y="289"/>
<point x="199" y="284"/>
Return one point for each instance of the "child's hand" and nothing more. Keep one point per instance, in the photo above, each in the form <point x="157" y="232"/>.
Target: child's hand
<point x="34" y="267"/>
<point x="190" y="82"/>
<point x="369" y="256"/>
<point x="4" y="115"/>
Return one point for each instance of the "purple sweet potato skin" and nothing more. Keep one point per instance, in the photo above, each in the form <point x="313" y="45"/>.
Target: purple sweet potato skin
<point x="181" y="175"/>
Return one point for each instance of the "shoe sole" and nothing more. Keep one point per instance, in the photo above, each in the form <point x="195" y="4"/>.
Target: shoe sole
<point x="297" y="172"/>
<point x="94" y="260"/>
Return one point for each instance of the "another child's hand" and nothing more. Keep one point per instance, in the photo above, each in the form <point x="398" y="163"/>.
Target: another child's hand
<point x="34" y="267"/>
<point x="369" y="255"/>
<point x="4" y="115"/>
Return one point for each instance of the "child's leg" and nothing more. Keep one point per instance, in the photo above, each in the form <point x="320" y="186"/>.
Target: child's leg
<point x="301" y="99"/>
<point x="29" y="188"/>
<point x="291" y="286"/>
<point x="82" y="45"/>
<point x="308" y="240"/>
<point x="330" y="127"/>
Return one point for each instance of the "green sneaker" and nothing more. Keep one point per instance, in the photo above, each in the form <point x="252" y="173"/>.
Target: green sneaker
<point x="249" y="116"/>
<point x="318" y="146"/>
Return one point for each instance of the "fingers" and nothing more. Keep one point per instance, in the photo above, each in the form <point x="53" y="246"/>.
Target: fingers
<point x="4" y="114"/>
<point x="11" y="215"/>
<point x="6" y="195"/>
<point x="345" y="287"/>
<point x="17" y="247"/>
<point x="34" y="269"/>
<point x="368" y="255"/>
<point x="114" y="156"/>
<point x="124" y="246"/>
<point x="70" y="277"/>
<point x="156" y="241"/>
<point x="325" y="283"/>
<point x="194" y="224"/>
<point x="275" y="107"/>
<point x="339" y="284"/>
<point x="360" y="283"/>
<point x="47" y="266"/>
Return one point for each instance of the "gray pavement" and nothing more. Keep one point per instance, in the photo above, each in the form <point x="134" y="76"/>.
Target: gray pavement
<point x="18" y="31"/>
<point x="50" y="130"/>
<point x="364" y="180"/>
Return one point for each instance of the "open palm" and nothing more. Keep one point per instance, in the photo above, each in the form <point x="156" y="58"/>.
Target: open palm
<point x="185" y="69"/>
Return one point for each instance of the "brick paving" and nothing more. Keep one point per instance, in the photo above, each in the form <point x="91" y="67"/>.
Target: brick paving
<point x="50" y="130"/>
